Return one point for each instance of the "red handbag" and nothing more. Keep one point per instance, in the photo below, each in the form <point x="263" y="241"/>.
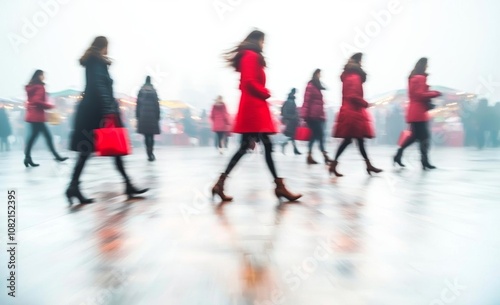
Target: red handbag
<point x="112" y="142"/>
<point x="405" y="134"/>
<point x="303" y="133"/>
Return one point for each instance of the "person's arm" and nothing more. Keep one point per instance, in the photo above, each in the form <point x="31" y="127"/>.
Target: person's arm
<point x="138" y="104"/>
<point x="157" y="104"/>
<point x="420" y="89"/>
<point x="248" y="67"/>
<point x="307" y="101"/>
<point x="105" y="92"/>
<point x="40" y="98"/>
<point x="354" y="92"/>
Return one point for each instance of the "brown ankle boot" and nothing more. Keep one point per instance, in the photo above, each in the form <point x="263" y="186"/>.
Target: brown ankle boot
<point x="333" y="169"/>
<point x="370" y="168"/>
<point x="310" y="160"/>
<point x="281" y="191"/>
<point x="218" y="189"/>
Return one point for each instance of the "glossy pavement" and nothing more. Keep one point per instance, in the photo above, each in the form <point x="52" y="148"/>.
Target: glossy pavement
<point x="401" y="238"/>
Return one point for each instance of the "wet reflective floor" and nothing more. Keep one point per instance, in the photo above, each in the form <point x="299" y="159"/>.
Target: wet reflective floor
<point x="402" y="237"/>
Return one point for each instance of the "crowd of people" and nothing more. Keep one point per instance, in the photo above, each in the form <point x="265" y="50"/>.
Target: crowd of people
<point x="254" y="120"/>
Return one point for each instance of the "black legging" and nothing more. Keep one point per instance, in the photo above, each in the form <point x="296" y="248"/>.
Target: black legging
<point x="318" y="130"/>
<point x="419" y="132"/>
<point x="36" y="129"/>
<point x="290" y="140"/>
<point x="149" y="140"/>
<point x="80" y="164"/>
<point x="246" y="140"/>
<point x="346" y="142"/>
<point x="221" y="139"/>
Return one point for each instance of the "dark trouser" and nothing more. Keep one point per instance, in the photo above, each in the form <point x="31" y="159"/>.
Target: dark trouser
<point x="495" y="141"/>
<point x="293" y="143"/>
<point x="149" y="141"/>
<point x="246" y="140"/>
<point x="36" y="129"/>
<point x="346" y="142"/>
<point x="4" y="144"/>
<point x="318" y="133"/>
<point x="221" y="139"/>
<point x="420" y="133"/>
<point x="80" y="164"/>
<point x="485" y="135"/>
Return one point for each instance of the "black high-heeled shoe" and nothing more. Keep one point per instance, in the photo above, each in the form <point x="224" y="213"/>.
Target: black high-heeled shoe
<point x="74" y="192"/>
<point x="427" y="166"/>
<point x="29" y="162"/>
<point x="131" y="191"/>
<point x="397" y="158"/>
<point x="60" y="159"/>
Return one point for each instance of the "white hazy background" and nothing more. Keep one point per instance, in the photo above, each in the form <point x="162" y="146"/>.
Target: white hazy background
<point x="180" y="43"/>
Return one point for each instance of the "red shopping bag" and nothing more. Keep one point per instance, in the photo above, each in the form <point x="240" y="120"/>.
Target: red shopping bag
<point x="405" y="134"/>
<point x="112" y="142"/>
<point x="302" y="133"/>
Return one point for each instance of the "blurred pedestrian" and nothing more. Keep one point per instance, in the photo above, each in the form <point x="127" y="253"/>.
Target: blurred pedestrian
<point x="290" y="117"/>
<point x="147" y="113"/>
<point x="98" y="109"/>
<point x="313" y="112"/>
<point x="495" y="132"/>
<point x="467" y="119"/>
<point x="417" y="114"/>
<point x="36" y="117"/>
<point x="253" y="121"/>
<point x="221" y="123"/>
<point x="188" y="125"/>
<point x="485" y="121"/>
<point x="353" y="120"/>
<point x="5" y="129"/>
<point x="204" y="129"/>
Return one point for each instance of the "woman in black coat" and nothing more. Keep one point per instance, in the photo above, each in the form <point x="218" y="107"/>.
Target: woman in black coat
<point x="5" y="129"/>
<point x="98" y="109"/>
<point x="290" y="117"/>
<point x="147" y="113"/>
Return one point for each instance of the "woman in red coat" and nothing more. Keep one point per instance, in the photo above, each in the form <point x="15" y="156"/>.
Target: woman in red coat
<point x="313" y="112"/>
<point x="35" y="116"/>
<point x="221" y="123"/>
<point x="417" y="116"/>
<point x="353" y="120"/>
<point x="253" y="121"/>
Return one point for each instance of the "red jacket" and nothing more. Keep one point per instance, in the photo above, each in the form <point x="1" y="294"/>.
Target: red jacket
<point x="313" y="106"/>
<point x="37" y="104"/>
<point x="253" y="114"/>
<point x="420" y="96"/>
<point x="220" y="118"/>
<point x="353" y="120"/>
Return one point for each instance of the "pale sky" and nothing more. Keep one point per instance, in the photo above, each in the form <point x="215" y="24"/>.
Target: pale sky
<point x="180" y="42"/>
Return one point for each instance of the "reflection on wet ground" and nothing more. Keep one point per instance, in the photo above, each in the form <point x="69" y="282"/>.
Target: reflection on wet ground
<point x="403" y="237"/>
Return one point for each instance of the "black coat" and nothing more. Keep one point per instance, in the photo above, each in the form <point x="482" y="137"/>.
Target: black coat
<point x="147" y="111"/>
<point x="290" y="117"/>
<point x="5" y="129"/>
<point x="97" y="101"/>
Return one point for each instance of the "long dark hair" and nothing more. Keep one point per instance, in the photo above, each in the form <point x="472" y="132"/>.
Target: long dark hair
<point x="94" y="50"/>
<point x="420" y="68"/>
<point x="251" y="42"/>
<point x="315" y="80"/>
<point x="354" y="66"/>
<point x="35" y="79"/>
